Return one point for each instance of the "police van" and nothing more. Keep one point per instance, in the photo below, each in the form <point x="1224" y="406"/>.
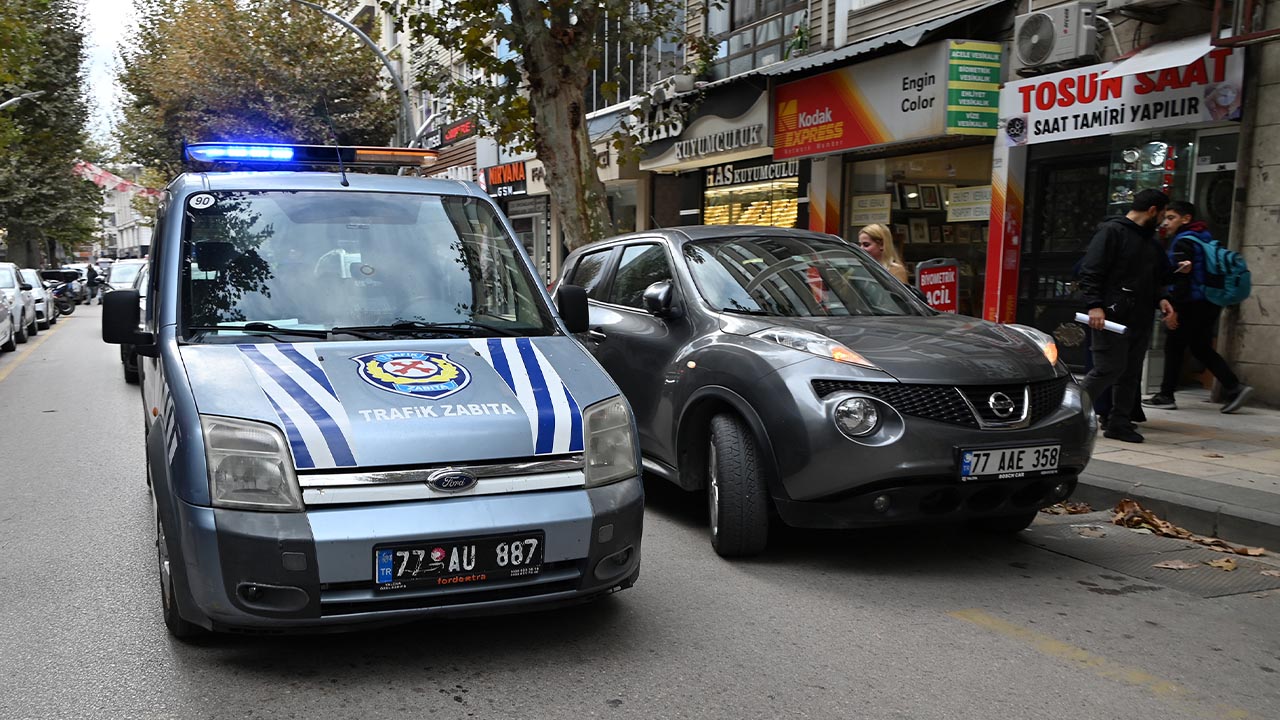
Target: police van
<point x="362" y="406"/>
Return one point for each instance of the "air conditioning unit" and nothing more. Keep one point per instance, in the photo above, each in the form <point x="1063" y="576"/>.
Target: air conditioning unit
<point x="1058" y="36"/>
<point x="670" y="86"/>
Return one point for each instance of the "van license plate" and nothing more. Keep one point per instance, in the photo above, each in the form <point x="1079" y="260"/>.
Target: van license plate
<point x="1009" y="463"/>
<point x="467" y="561"/>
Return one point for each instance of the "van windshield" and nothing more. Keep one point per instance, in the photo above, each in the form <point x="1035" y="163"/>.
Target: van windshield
<point x="379" y="265"/>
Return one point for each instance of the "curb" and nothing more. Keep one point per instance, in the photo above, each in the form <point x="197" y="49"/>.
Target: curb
<point x="1237" y="515"/>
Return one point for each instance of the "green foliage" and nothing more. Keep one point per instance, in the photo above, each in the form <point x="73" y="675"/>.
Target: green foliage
<point x="268" y="70"/>
<point x="42" y="204"/>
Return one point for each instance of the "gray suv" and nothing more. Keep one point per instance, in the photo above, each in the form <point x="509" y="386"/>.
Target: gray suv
<point x="787" y="373"/>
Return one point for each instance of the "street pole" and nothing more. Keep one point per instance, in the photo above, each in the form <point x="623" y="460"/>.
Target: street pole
<point x="405" y="126"/>
<point x="24" y="96"/>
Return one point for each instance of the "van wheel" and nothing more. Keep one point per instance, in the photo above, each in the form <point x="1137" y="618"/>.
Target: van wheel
<point x="178" y="627"/>
<point x="1008" y="524"/>
<point x="737" y="500"/>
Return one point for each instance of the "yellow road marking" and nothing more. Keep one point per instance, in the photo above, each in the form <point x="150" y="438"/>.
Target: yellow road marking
<point x="21" y="355"/>
<point x="1096" y="664"/>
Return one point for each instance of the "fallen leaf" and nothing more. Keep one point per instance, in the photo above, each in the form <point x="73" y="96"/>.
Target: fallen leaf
<point x="1175" y="565"/>
<point x="1271" y="573"/>
<point x="1090" y="531"/>
<point x="1213" y="455"/>
<point x="1227" y="564"/>
<point x="1067" y="508"/>
<point x="1252" y="551"/>
<point x="1142" y="531"/>
<point x="1128" y="513"/>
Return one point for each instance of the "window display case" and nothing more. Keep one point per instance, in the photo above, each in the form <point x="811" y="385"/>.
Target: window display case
<point x="1162" y="161"/>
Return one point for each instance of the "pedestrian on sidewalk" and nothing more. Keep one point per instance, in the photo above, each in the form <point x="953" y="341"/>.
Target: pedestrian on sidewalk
<point x="1124" y="278"/>
<point x="1197" y="317"/>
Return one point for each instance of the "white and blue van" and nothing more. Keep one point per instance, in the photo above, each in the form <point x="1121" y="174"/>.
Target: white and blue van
<point x="362" y="406"/>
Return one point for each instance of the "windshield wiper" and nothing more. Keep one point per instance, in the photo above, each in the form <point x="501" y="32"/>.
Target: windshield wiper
<point x="744" y="311"/>
<point x="262" y="328"/>
<point x="417" y="327"/>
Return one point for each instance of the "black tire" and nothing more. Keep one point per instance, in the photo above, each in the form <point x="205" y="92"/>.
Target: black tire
<point x="737" y="499"/>
<point x="130" y="369"/>
<point x="173" y="620"/>
<point x="66" y="307"/>
<point x="20" y="334"/>
<point x="9" y="345"/>
<point x="33" y="329"/>
<point x="1008" y="524"/>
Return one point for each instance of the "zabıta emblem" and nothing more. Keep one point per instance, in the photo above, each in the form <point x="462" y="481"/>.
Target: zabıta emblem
<point x="429" y="375"/>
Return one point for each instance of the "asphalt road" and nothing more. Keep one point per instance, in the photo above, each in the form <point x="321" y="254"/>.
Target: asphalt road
<point x="913" y="625"/>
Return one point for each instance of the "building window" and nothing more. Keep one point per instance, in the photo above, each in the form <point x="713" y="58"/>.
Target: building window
<point x="752" y="33"/>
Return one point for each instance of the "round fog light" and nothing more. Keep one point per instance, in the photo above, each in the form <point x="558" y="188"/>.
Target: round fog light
<point x="856" y="417"/>
<point x="881" y="503"/>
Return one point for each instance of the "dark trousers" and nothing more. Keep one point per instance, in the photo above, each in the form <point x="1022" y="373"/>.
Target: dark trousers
<point x="1196" y="321"/>
<point x="1117" y="363"/>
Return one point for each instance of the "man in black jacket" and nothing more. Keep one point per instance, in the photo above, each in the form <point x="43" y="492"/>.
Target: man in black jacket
<point x="1123" y="278"/>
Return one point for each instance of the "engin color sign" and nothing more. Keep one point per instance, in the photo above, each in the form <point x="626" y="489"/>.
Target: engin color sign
<point x="944" y="89"/>
<point x="1087" y="102"/>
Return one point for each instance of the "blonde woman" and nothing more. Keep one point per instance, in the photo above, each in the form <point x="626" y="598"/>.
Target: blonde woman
<point x="877" y="241"/>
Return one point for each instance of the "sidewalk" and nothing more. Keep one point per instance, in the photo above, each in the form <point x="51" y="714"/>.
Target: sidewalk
<point x="1213" y="474"/>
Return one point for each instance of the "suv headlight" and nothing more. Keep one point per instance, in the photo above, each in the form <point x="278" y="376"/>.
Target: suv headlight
<point x="249" y="466"/>
<point x="1041" y="340"/>
<point x="610" y="445"/>
<point x="814" y="344"/>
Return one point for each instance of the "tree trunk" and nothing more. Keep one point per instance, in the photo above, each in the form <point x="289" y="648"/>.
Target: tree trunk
<point x="564" y="147"/>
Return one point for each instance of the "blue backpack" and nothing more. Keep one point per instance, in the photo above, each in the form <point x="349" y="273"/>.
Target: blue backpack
<point x="1226" y="275"/>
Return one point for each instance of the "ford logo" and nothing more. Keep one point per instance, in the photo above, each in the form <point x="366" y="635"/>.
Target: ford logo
<point x="451" y="481"/>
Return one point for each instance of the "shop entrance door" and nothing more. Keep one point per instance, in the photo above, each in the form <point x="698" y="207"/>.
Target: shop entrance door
<point x="531" y="230"/>
<point x="1068" y="200"/>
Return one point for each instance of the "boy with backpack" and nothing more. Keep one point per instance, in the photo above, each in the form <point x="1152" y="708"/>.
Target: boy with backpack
<point x="1218" y="278"/>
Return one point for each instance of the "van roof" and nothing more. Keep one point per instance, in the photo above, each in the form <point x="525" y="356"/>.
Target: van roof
<point x="293" y="180"/>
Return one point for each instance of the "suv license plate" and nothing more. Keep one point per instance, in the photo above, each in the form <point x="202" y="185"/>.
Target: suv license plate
<point x="1009" y="463"/>
<point x="467" y="561"/>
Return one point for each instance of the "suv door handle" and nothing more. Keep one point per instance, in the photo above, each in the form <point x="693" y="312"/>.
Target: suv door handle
<point x="596" y="334"/>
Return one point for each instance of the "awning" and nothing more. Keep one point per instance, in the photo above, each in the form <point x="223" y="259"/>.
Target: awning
<point x="908" y="36"/>
<point x="1175" y="53"/>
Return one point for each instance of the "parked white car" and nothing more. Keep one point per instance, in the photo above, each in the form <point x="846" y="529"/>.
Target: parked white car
<point x="23" y="310"/>
<point x="6" y="325"/>
<point x="46" y="313"/>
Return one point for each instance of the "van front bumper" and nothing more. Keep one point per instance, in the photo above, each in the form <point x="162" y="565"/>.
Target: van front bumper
<point x="314" y="569"/>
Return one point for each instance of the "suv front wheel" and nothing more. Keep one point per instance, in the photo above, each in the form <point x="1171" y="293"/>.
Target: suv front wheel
<point x="737" y="500"/>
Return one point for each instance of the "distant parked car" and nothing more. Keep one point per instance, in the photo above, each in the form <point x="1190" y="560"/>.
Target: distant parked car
<point x="6" y="325"/>
<point x="128" y="356"/>
<point x="121" y="274"/>
<point x="788" y="372"/>
<point x="46" y="314"/>
<point x="19" y="296"/>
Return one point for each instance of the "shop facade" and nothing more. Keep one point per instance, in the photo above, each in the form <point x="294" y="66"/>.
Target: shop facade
<point x="1074" y="147"/>
<point x="710" y="162"/>
<point x="903" y="140"/>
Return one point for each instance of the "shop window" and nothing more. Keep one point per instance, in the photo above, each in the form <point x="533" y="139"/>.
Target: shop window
<point x="641" y="266"/>
<point x="774" y="203"/>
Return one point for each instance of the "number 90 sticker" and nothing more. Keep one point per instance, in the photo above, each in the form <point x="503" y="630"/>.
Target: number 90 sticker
<point x="201" y="201"/>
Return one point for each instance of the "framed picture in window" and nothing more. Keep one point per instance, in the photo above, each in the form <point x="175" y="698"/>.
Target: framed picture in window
<point x="919" y="230"/>
<point x="929" y="198"/>
<point x="935" y="234"/>
<point x="964" y="233"/>
<point x="910" y="193"/>
<point x="901" y="234"/>
<point x="948" y="233"/>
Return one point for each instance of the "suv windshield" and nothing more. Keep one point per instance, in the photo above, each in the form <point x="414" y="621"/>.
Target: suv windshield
<point x="7" y="281"/>
<point x="795" y="277"/>
<point x="122" y="275"/>
<point x="311" y="262"/>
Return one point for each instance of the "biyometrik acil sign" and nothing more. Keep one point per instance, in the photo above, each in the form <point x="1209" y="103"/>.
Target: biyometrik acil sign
<point x="1089" y="101"/>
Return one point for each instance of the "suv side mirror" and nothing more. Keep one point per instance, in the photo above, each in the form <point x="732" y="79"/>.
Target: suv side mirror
<point x="120" y="312"/>
<point x="25" y="286"/>
<point x="571" y="301"/>
<point x="657" y="298"/>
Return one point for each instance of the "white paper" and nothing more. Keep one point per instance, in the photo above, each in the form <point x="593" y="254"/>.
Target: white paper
<point x="1109" y="326"/>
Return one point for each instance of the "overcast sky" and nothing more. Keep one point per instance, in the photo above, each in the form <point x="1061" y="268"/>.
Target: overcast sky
<point x="107" y="22"/>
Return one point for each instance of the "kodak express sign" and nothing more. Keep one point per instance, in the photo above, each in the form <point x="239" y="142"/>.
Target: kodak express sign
<point x="950" y="88"/>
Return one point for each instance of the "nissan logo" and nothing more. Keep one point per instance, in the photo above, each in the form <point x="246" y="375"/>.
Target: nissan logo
<point x="451" y="481"/>
<point x="1002" y="405"/>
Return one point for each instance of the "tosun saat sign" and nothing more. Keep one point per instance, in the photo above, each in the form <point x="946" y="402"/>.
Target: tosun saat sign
<point x="1089" y="101"/>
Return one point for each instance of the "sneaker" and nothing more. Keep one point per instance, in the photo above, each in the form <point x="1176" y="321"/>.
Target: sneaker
<point x="1128" y="435"/>
<point x="1162" y="401"/>
<point x="1237" y="398"/>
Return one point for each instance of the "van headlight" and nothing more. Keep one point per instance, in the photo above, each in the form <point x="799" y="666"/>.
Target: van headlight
<point x="610" y="444"/>
<point x="249" y="466"/>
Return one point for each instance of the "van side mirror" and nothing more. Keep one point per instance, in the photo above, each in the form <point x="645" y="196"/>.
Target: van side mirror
<point x="120" y="312"/>
<point x="657" y="299"/>
<point x="571" y="301"/>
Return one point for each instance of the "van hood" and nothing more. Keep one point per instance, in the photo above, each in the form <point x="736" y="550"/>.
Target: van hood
<point x="411" y="402"/>
<point x="950" y="349"/>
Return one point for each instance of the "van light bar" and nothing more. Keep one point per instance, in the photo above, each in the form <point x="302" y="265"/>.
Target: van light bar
<point x="271" y="154"/>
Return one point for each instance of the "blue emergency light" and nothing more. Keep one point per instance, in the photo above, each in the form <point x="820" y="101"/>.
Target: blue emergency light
<point x="221" y="153"/>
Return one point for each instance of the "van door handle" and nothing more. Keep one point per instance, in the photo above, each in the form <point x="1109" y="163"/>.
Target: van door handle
<point x="597" y="335"/>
